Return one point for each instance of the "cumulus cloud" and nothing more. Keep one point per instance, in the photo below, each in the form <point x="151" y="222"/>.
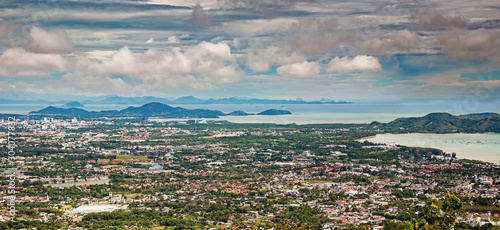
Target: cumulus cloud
<point x="299" y="69"/>
<point x="150" y="41"/>
<point x="360" y="63"/>
<point x="121" y="63"/>
<point x="19" y="62"/>
<point x="42" y="41"/>
<point x="402" y="40"/>
<point x="173" y="39"/>
<point x="433" y="18"/>
<point x="34" y="39"/>
<point x="317" y="36"/>
<point x="481" y="44"/>
<point x="199" y="18"/>
<point x="205" y="64"/>
<point x="260" y="60"/>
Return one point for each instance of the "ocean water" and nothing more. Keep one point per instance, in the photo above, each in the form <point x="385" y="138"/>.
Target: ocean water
<point x="357" y="112"/>
<point x="484" y="147"/>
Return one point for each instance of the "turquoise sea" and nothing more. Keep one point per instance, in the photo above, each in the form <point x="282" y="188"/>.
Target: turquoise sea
<point x="357" y="112"/>
<point x="484" y="147"/>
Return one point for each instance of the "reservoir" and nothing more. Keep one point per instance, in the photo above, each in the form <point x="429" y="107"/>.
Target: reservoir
<point x="483" y="147"/>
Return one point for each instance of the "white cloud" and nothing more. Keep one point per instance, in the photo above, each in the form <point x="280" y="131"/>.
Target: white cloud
<point x="260" y="60"/>
<point x="258" y="26"/>
<point x="18" y="61"/>
<point x="173" y="39"/>
<point x="100" y="54"/>
<point x="402" y="40"/>
<point x="299" y="69"/>
<point x="210" y="50"/>
<point x="122" y="63"/>
<point x="31" y="90"/>
<point x="42" y="41"/>
<point x="150" y="41"/>
<point x="360" y="63"/>
<point x="203" y="66"/>
<point x="35" y="39"/>
<point x="203" y="58"/>
<point x="206" y="64"/>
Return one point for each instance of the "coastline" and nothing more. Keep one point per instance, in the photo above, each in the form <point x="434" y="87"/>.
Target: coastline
<point x="467" y="146"/>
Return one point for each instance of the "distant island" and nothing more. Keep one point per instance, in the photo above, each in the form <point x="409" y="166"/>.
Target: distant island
<point x="178" y="101"/>
<point x="74" y="104"/>
<point x="239" y="113"/>
<point x="154" y="109"/>
<point x="275" y="112"/>
<point x="430" y="123"/>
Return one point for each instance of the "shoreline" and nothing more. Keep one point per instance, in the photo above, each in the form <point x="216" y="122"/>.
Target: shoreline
<point x="464" y="148"/>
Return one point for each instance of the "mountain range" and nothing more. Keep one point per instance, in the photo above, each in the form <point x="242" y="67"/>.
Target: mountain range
<point x="180" y="100"/>
<point x="154" y="109"/>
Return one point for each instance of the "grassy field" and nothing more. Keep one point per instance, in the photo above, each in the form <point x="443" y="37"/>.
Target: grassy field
<point x="133" y="157"/>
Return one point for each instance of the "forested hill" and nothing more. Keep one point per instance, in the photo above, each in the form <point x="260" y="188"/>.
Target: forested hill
<point x="147" y="110"/>
<point x="154" y="109"/>
<point x="445" y="123"/>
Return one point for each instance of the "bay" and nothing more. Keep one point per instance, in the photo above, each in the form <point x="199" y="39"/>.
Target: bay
<point x="478" y="146"/>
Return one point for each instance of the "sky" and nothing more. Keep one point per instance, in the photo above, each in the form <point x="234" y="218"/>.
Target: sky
<point x="279" y="49"/>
